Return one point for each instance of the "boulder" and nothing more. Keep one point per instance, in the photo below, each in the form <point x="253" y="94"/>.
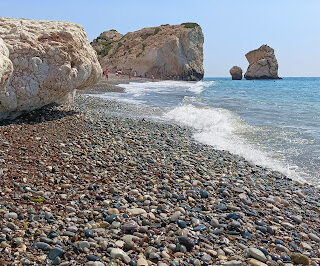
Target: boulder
<point x="236" y="73"/>
<point x="167" y="51"/>
<point x="41" y="63"/>
<point x="262" y="64"/>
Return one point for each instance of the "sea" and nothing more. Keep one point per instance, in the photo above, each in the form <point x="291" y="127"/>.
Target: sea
<point x="272" y="123"/>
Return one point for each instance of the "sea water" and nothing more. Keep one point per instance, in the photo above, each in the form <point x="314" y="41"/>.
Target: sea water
<point x="272" y="123"/>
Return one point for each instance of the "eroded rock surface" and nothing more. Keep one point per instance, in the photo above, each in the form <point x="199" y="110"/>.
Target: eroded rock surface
<point x="236" y="73"/>
<point x="42" y="62"/>
<point x="167" y="51"/>
<point x="262" y="64"/>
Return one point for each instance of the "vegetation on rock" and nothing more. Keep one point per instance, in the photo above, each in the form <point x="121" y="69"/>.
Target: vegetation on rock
<point x="190" y="25"/>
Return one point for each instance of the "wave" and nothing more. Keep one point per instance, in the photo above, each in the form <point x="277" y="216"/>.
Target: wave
<point x="200" y="86"/>
<point x="222" y="129"/>
<point x="138" y="89"/>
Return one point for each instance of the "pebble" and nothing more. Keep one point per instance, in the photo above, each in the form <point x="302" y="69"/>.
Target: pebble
<point x="43" y="246"/>
<point x="55" y="252"/>
<point x="256" y="254"/>
<point x="119" y="253"/>
<point x="255" y="262"/>
<point x="11" y="215"/>
<point x="314" y="237"/>
<point x="130" y="226"/>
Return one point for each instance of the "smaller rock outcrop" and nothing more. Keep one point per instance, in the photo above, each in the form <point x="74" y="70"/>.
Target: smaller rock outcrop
<point x="262" y="64"/>
<point x="236" y="73"/>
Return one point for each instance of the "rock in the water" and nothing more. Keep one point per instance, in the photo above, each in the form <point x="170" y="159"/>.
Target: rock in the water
<point x="262" y="64"/>
<point x="236" y="73"/>
<point x="168" y="51"/>
<point x="46" y="61"/>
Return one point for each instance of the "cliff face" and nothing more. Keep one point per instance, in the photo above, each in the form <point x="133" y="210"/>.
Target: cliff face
<point x="168" y="51"/>
<point x="263" y="64"/>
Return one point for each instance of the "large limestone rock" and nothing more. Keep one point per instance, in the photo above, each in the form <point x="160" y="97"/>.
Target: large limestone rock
<point x="42" y="62"/>
<point x="262" y="64"/>
<point x="168" y="51"/>
<point x="236" y="73"/>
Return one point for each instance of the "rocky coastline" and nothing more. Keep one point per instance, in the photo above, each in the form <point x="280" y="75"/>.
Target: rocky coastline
<point x="83" y="186"/>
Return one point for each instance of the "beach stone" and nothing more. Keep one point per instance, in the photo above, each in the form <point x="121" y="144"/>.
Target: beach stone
<point x="70" y="209"/>
<point x="300" y="259"/>
<point x="83" y="244"/>
<point x="187" y="242"/>
<point x="136" y="211"/>
<point x="10" y="215"/>
<point x="88" y="233"/>
<point x="256" y="254"/>
<point x="232" y="263"/>
<point x="255" y="262"/>
<point x="56" y="59"/>
<point x="93" y="258"/>
<point x="130" y="226"/>
<point x="181" y="224"/>
<point x="282" y="248"/>
<point x="175" y="216"/>
<point x="297" y="218"/>
<point x="314" y="237"/>
<point x="111" y="218"/>
<point x="43" y="246"/>
<point x="204" y="194"/>
<point x="94" y="263"/>
<point x="119" y="253"/>
<point x="55" y="252"/>
<point x="142" y="262"/>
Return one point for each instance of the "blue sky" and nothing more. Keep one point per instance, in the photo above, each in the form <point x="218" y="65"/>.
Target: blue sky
<point x="231" y="27"/>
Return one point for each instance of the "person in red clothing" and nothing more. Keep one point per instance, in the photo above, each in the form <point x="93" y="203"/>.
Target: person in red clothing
<point x="106" y="73"/>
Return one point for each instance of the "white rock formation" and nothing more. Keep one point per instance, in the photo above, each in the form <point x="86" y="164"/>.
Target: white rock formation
<point x="167" y="51"/>
<point x="262" y="64"/>
<point x="46" y="61"/>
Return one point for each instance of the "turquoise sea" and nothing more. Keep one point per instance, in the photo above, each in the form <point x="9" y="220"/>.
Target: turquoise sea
<point x="273" y="123"/>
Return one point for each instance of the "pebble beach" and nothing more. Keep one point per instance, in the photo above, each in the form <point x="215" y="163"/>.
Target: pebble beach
<point x="83" y="186"/>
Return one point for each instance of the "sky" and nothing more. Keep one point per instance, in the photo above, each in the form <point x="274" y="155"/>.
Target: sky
<point x="231" y="27"/>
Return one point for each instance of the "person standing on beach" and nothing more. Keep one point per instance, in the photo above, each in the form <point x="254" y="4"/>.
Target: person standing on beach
<point x="106" y="73"/>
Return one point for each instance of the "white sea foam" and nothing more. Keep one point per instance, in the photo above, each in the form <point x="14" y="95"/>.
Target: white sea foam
<point x="220" y="128"/>
<point x="137" y="89"/>
<point x="200" y="86"/>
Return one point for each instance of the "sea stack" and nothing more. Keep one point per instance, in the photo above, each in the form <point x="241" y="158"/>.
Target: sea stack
<point x="167" y="51"/>
<point x="262" y="64"/>
<point x="42" y="62"/>
<point x="236" y="73"/>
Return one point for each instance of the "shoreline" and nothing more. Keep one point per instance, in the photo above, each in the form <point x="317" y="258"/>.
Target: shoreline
<point x="80" y="187"/>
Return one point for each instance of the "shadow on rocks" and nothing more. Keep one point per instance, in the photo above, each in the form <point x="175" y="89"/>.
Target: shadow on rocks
<point x="50" y="112"/>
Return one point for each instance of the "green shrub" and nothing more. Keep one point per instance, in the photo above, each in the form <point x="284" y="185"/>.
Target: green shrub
<point x="156" y="30"/>
<point x="146" y="35"/>
<point x="112" y="30"/>
<point x="165" y="25"/>
<point x="107" y="47"/>
<point x="143" y="46"/>
<point x="137" y="55"/>
<point x="119" y="44"/>
<point x="190" y="25"/>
